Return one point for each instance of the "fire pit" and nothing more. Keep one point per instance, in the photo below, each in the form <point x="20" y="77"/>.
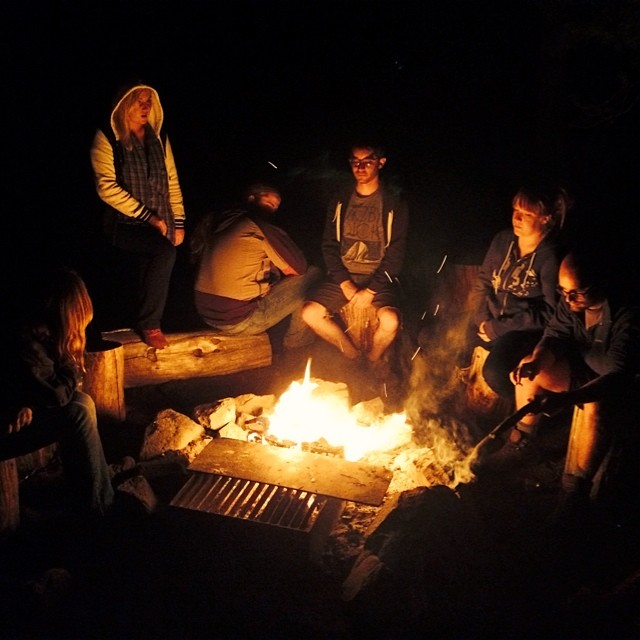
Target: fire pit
<point x="300" y="493"/>
<point x="290" y="466"/>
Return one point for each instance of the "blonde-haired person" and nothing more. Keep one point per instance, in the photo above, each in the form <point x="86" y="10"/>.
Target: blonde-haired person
<point x="515" y="291"/>
<point x="136" y="177"/>
<point x="44" y="402"/>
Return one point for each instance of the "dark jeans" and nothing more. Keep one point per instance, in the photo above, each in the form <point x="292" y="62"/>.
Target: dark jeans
<point x="285" y="298"/>
<point x="156" y="257"/>
<point x="505" y="353"/>
<point x="75" y="428"/>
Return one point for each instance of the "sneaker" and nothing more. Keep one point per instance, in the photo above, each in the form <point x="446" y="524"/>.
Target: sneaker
<point x="514" y="453"/>
<point x="154" y="338"/>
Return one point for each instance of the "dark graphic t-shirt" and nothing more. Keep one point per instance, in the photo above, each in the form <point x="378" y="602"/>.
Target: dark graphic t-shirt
<point x="362" y="244"/>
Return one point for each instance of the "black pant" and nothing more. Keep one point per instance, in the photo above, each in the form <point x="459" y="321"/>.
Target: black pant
<point x="156" y="257"/>
<point x="505" y="353"/>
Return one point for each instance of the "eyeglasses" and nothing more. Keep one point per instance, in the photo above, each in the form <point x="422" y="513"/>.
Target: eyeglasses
<point x="574" y="293"/>
<point x="367" y="163"/>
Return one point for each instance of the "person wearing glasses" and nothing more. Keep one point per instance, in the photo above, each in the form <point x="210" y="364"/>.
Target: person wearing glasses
<point x="589" y="355"/>
<point x="515" y="291"/>
<point x="363" y="247"/>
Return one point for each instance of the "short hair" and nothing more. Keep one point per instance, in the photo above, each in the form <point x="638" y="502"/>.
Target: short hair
<point x="257" y="188"/>
<point x="377" y="149"/>
<point x="589" y="265"/>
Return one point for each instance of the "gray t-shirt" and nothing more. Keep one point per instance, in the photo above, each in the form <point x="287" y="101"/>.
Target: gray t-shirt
<point x="363" y="243"/>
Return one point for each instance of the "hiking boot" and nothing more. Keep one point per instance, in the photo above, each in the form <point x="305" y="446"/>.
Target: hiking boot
<point x="154" y="338"/>
<point x="518" y="451"/>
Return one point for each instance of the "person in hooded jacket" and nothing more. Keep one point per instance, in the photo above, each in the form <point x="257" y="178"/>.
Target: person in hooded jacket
<point x="136" y="176"/>
<point x="251" y="275"/>
<point x="515" y="290"/>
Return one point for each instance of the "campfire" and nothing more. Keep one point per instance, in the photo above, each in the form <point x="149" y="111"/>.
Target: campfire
<point x="315" y="415"/>
<point x="312" y="410"/>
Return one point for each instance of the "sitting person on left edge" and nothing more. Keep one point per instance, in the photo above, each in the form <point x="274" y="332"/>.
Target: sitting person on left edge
<point x="43" y="398"/>
<point x="250" y="273"/>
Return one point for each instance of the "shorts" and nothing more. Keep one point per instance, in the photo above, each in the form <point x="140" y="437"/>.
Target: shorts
<point x="330" y="296"/>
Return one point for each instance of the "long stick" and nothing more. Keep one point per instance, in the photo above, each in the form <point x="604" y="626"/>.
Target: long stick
<point x="507" y="423"/>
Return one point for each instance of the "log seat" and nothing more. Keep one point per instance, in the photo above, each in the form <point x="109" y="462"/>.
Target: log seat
<point x="195" y="354"/>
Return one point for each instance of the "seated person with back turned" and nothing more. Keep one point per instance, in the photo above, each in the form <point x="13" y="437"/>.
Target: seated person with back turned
<point x="363" y="246"/>
<point x="250" y="273"/>
<point x="589" y="356"/>
<point x="515" y="291"/>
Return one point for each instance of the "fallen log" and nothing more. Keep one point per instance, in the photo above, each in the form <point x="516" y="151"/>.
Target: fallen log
<point x="196" y="354"/>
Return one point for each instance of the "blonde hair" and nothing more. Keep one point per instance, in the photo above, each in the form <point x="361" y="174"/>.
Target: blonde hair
<point x="538" y="203"/>
<point x="69" y="310"/>
<point x="123" y="132"/>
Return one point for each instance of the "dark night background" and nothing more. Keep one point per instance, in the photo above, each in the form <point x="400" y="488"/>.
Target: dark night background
<point x="470" y="99"/>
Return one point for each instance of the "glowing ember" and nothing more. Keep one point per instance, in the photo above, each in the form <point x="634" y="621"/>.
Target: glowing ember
<point x="306" y="412"/>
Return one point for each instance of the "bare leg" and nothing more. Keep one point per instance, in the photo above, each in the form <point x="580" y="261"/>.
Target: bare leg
<point x="556" y="378"/>
<point x="319" y="320"/>
<point x="388" y="324"/>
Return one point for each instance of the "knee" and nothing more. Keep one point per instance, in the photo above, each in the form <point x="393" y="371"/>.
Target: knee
<point x="82" y="409"/>
<point x="389" y="320"/>
<point x="312" y="313"/>
<point x="497" y="379"/>
<point x="312" y="276"/>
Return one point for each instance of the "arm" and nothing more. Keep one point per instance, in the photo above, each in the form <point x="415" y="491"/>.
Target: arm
<point x="336" y="271"/>
<point x="51" y="384"/>
<point x="482" y="288"/>
<point x="175" y="193"/>
<point x="283" y="252"/>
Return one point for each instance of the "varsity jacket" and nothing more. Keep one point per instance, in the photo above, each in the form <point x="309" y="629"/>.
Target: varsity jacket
<point x="514" y="292"/>
<point x="104" y="161"/>
<point x="395" y="221"/>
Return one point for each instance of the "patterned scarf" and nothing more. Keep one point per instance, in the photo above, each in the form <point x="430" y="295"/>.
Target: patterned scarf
<point x="145" y="176"/>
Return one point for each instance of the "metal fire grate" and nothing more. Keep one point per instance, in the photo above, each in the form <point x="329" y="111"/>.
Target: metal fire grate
<point x="251" y="500"/>
<point x="276" y="490"/>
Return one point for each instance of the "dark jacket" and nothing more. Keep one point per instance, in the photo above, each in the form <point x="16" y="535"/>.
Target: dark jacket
<point x="33" y="375"/>
<point x="612" y="346"/>
<point x="395" y="221"/>
<point x="514" y="293"/>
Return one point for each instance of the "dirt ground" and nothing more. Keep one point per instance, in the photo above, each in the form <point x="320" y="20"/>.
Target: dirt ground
<point x="174" y="575"/>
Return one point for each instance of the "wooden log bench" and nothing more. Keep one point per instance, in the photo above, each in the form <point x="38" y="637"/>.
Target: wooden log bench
<point x="195" y="354"/>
